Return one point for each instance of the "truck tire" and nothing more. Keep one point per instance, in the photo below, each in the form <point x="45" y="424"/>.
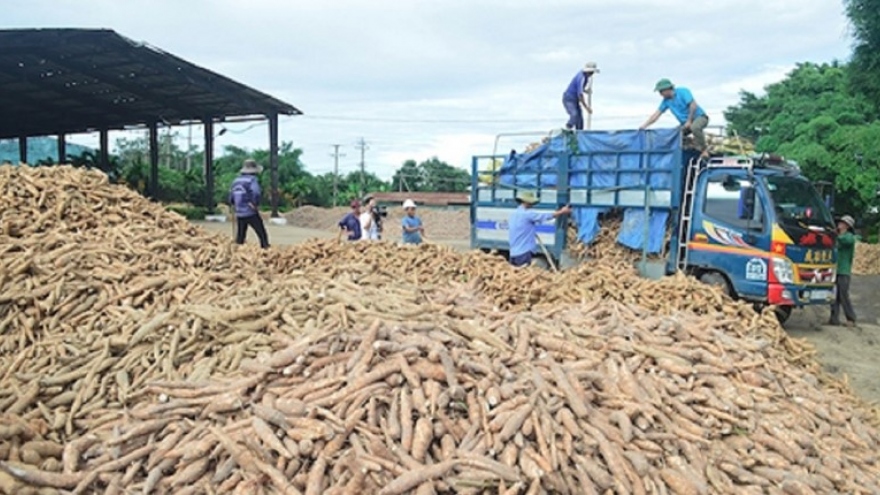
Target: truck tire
<point x="718" y="280"/>
<point x="782" y="313"/>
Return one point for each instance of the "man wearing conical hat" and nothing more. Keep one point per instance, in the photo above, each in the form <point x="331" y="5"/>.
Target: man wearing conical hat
<point x="523" y="229"/>
<point x="846" y="246"/>
<point x="244" y="196"/>
<point x="573" y="97"/>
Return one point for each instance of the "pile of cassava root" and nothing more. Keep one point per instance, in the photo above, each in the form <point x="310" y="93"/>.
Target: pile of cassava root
<point x="867" y="259"/>
<point x="141" y="355"/>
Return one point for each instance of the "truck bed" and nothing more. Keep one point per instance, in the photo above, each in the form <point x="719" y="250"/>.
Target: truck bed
<point x="594" y="171"/>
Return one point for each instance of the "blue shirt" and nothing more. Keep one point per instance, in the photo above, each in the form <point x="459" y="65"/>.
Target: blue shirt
<point x="412" y="237"/>
<point x="351" y="223"/>
<point x="522" y="225"/>
<point x="679" y="104"/>
<point x="244" y="195"/>
<point x="576" y="86"/>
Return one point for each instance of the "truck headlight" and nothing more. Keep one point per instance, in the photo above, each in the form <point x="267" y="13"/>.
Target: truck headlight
<point x="783" y="270"/>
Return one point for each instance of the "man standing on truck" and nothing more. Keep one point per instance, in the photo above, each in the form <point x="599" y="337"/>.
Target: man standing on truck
<point x="523" y="228"/>
<point x="846" y="246"/>
<point x="573" y="98"/>
<point x="683" y="105"/>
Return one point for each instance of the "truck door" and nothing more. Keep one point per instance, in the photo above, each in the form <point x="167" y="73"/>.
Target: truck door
<point x="730" y="233"/>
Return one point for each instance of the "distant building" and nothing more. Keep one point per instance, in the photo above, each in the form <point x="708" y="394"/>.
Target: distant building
<point x="429" y="199"/>
<point x="39" y="148"/>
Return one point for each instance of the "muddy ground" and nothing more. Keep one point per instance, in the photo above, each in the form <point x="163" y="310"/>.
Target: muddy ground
<point x="850" y="352"/>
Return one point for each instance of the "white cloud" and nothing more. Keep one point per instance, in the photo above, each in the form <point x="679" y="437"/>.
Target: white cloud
<point x="423" y="78"/>
<point x="753" y="83"/>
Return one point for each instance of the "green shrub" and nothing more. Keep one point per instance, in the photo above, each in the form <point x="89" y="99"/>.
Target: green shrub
<point x="188" y="211"/>
<point x="873" y="239"/>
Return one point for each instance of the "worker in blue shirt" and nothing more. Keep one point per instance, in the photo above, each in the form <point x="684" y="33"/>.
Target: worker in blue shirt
<point x="411" y="225"/>
<point x="685" y="108"/>
<point x="523" y="228"/>
<point x="573" y="98"/>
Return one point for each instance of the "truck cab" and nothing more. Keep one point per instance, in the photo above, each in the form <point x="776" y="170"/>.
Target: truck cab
<point x="752" y="225"/>
<point x="761" y="231"/>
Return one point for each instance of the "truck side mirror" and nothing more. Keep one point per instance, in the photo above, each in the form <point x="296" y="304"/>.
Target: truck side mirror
<point x="746" y="203"/>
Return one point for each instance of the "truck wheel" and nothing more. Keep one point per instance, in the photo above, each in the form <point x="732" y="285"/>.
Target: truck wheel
<point x="782" y="313"/>
<point x="718" y="280"/>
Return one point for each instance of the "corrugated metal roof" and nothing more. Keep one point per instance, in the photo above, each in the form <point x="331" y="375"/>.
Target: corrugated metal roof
<point x="78" y="80"/>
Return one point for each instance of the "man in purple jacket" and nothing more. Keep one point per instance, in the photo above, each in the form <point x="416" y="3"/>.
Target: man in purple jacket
<point x="244" y="196"/>
<point x="351" y="223"/>
<point x="573" y="97"/>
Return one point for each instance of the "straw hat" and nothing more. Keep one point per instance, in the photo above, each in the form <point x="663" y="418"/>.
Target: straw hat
<point x="849" y="221"/>
<point x="409" y="204"/>
<point x="251" y="167"/>
<point x="527" y="197"/>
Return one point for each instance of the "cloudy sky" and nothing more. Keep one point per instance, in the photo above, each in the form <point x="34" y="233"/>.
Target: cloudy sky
<point x="418" y="78"/>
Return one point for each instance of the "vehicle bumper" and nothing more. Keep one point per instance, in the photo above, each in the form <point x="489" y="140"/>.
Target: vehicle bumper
<point x="800" y="295"/>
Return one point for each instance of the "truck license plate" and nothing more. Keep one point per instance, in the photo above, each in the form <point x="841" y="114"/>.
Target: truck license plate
<point x="821" y="295"/>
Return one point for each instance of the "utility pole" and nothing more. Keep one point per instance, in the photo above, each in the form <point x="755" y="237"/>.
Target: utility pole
<point x="362" y="145"/>
<point x="336" y="156"/>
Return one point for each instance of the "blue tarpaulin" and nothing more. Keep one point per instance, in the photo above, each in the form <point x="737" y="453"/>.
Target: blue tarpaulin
<point x="605" y="160"/>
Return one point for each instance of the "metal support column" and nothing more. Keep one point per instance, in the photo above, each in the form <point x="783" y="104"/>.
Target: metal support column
<point x="209" y="163"/>
<point x="153" y="188"/>
<point x="62" y="148"/>
<point x="22" y="149"/>
<point x="273" y="160"/>
<point x="105" y="150"/>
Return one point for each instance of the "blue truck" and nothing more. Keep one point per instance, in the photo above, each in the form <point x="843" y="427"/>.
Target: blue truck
<point x="753" y="225"/>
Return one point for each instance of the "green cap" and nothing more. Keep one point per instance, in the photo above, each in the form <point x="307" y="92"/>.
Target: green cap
<point x="527" y="197"/>
<point x="663" y="84"/>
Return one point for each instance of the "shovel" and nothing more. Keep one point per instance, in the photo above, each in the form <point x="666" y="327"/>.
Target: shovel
<point x="546" y="253"/>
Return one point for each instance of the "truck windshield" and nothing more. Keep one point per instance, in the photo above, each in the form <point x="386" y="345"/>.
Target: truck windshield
<point x="796" y="202"/>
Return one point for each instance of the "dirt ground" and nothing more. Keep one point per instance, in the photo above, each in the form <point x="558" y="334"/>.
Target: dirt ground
<point x="853" y="352"/>
<point x="283" y="235"/>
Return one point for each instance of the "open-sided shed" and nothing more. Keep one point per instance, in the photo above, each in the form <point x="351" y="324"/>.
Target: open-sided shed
<point x="64" y="81"/>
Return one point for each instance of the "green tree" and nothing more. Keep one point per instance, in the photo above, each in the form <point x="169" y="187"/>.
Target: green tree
<point x="351" y="185"/>
<point x="813" y="117"/>
<point x="90" y="159"/>
<point x="408" y="177"/>
<point x="181" y="184"/>
<point x="431" y="175"/>
<point x="864" y="16"/>
<point x="809" y="91"/>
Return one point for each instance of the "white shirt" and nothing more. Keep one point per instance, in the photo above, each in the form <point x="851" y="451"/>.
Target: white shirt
<point x="366" y="220"/>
